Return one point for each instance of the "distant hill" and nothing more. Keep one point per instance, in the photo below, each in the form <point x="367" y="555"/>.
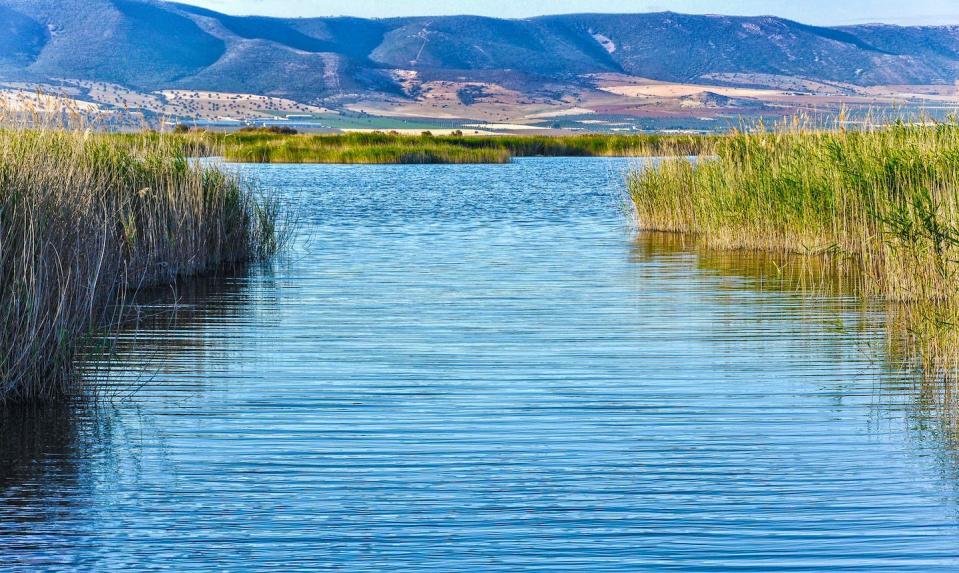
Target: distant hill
<point x="149" y="45"/>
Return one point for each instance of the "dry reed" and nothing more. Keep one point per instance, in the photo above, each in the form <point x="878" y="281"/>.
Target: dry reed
<point x="85" y="219"/>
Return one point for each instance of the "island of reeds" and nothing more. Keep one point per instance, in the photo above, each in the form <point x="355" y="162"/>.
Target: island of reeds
<point x="279" y="145"/>
<point x="86" y="219"/>
<point x="880" y="204"/>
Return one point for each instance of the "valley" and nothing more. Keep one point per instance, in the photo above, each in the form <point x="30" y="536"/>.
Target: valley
<point x="615" y="103"/>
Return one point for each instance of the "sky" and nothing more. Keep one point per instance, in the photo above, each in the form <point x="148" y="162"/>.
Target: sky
<point x="821" y="12"/>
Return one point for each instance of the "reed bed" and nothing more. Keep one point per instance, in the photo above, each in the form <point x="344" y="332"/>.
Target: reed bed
<point x="378" y="147"/>
<point x="879" y="206"/>
<point x="884" y="200"/>
<point x="88" y="218"/>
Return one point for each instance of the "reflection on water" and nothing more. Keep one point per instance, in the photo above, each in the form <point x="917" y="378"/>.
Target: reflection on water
<point x="38" y="446"/>
<point x="185" y="320"/>
<point x="482" y="368"/>
<point x="924" y="388"/>
<point x="55" y="458"/>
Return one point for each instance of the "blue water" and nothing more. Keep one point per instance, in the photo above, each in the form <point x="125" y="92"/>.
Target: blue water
<point x="486" y="368"/>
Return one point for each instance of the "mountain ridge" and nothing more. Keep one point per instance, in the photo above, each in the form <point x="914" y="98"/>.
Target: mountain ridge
<point x="153" y="45"/>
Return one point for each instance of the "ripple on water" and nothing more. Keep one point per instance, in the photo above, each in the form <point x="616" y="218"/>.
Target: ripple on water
<point x="481" y="368"/>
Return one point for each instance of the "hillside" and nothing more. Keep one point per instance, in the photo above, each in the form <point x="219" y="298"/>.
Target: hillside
<point x="146" y="46"/>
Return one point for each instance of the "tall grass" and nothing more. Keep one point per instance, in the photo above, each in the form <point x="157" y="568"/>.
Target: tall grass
<point x="378" y="147"/>
<point x="85" y="219"/>
<point x="885" y="200"/>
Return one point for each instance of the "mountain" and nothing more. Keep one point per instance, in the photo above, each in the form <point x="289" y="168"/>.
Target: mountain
<point x="149" y="45"/>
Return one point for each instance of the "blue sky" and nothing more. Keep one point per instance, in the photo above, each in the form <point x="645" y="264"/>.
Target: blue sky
<point x="811" y="11"/>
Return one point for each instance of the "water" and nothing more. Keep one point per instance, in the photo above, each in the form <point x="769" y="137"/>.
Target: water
<point x="483" y="368"/>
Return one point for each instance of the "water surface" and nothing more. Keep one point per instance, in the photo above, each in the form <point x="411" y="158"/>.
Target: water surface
<point x="484" y="368"/>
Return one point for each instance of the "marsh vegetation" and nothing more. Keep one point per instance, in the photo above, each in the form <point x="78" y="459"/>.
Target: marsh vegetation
<point x="86" y="219"/>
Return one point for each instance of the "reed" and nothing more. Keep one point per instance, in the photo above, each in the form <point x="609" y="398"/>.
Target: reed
<point x="882" y="200"/>
<point x="86" y="219"/>
<point x="378" y="147"/>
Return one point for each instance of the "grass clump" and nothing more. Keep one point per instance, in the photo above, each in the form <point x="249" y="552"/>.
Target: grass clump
<point x="87" y="218"/>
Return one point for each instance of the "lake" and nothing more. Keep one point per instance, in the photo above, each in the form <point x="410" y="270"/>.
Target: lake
<point x="486" y="368"/>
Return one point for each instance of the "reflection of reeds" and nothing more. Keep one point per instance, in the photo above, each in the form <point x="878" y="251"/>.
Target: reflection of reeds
<point x="164" y="331"/>
<point x="46" y="449"/>
<point x="809" y="275"/>
<point x="86" y="218"/>
<point x="37" y="447"/>
<point x="919" y="356"/>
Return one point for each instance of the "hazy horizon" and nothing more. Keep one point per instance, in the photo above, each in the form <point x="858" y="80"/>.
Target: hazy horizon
<point x="818" y="12"/>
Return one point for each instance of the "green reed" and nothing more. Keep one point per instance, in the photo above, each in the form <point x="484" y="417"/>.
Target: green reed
<point x="88" y="218"/>
<point x="884" y="199"/>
